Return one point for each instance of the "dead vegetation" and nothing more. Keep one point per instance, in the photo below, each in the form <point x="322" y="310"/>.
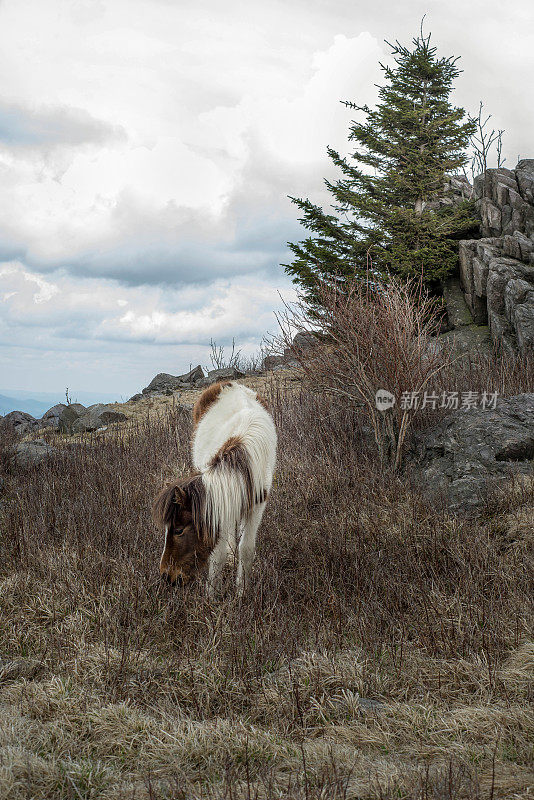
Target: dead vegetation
<point x="384" y="649"/>
<point x="377" y="336"/>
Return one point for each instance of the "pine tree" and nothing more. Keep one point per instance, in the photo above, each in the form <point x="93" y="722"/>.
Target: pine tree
<point x="405" y="147"/>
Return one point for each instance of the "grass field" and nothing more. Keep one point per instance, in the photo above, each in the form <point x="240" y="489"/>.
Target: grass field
<point x="383" y="650"/>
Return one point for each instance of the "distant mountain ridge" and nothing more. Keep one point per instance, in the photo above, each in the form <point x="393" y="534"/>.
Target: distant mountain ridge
<point x="28" y="404"/>
<point x="37" y="403"/>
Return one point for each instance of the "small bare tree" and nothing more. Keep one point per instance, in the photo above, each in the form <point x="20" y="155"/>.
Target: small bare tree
<point x="482" y="141"/>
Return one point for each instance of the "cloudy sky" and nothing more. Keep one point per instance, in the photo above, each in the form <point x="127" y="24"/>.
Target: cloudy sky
<point x="147" y="148"/>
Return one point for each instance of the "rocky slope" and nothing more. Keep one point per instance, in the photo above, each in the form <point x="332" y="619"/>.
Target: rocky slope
<point x="497" y="271"/>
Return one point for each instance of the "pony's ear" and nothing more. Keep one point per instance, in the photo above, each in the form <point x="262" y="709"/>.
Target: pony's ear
<point x="169" y="505"/>
<point x="182" y="503"/>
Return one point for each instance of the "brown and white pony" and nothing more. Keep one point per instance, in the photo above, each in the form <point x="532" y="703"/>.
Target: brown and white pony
<point x="234" y="454"/>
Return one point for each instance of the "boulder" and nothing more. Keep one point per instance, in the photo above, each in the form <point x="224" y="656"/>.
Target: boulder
<point x="31" y="454"/>
<point x="20" y="422"/>
<point x="51" y="417"/>
<point x="470" y="450"/>
<point x="303" y="340"/>
<point x="163" y="382"/>
<point x="97" y="416"/>
<point x="225" y="374"/>
<point x="270" y="362"/>
<point x="61" y="417"/>
<point x="135" y="398"/>
<point x="193" y="375"/>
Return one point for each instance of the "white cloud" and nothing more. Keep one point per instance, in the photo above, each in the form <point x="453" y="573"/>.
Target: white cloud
<point x="86" y="208"/>
<point x="88" y="332"/>
<point x="91" y="309"/>
<point x="147" y="148"/>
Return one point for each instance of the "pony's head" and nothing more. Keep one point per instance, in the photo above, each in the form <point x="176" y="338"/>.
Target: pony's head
<point x="178" y="509"/>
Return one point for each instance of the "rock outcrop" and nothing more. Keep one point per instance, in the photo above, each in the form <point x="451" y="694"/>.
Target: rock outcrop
<point x="497" y="271"/>
<point x="302" y="341"/>
<point x="164" y="383"/>
<point x="32" y="453"/>
<point x="62" y="417"/>
<point x="97" y="416"/>
<point x="20" y="422"/>
<point x="470" y="450"/>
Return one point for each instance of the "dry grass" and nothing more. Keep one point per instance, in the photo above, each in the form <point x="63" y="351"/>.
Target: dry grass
<point x="114" y="686"/>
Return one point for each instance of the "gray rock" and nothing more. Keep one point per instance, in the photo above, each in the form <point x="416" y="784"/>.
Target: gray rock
<point x="502" y="333"/>
<point x="61" y="417"/>
<point x="491" y="217"/>
<point x="470" y="450"/>
<point x="485" y="185"/>
<point x="480" y="276"/>
<point x="77" y="407"/>
<point x="196" y="374"/>
<point x="203" y="383"/>
<point x="97" y="416"/>
<point x="502" y="270"/>
<point x="135" y="398"/>
<point x="523" y="316"/>
<point x="525" y="179"/>
<point x="20" y="422"/>
<point x="163" y="382"/>
<point x="518" y="246"/>
<point x="303" y="340"/>
<point x="466" y="252"/>
<point x="457" y="311"/>
<point x="30" y="454"/>
<point x="225" y="374"/>
<point x="269" y="362"/>
<point x="53" y="414"/>
<point x="69" y="416"/>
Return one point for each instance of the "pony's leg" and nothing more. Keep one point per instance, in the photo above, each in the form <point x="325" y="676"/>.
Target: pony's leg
<point x="217" y="561"/>
<point x="247" y="546"/>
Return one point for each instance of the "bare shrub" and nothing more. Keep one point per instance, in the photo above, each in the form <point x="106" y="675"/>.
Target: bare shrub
<point x="220" y="360"/>
<point x="373" y="336"/>
<point x="236" y="358"/>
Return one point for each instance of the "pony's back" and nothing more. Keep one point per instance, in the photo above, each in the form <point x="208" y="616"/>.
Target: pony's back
<point x="234" y="449"/>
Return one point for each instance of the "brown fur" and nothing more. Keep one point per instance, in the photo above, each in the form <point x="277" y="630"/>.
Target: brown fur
<point x="234" y="455"/>
<point x="208" y="397"/>
<point x="179" y="509"/>
<point x="262" y="401"/>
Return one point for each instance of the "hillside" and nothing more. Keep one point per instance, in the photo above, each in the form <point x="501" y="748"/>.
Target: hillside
<point x="384" y="649"/>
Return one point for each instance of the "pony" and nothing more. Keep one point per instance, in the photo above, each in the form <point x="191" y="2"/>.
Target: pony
<point x="234" y="456"/>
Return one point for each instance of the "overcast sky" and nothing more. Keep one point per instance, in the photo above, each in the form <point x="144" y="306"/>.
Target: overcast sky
<point x="147" y="148"/>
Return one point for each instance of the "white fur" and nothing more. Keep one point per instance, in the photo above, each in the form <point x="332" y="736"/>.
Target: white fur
<point x="238" y="413"/>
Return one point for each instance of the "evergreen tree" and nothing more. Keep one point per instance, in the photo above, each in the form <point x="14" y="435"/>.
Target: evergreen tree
<point x="405" y="147"/>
